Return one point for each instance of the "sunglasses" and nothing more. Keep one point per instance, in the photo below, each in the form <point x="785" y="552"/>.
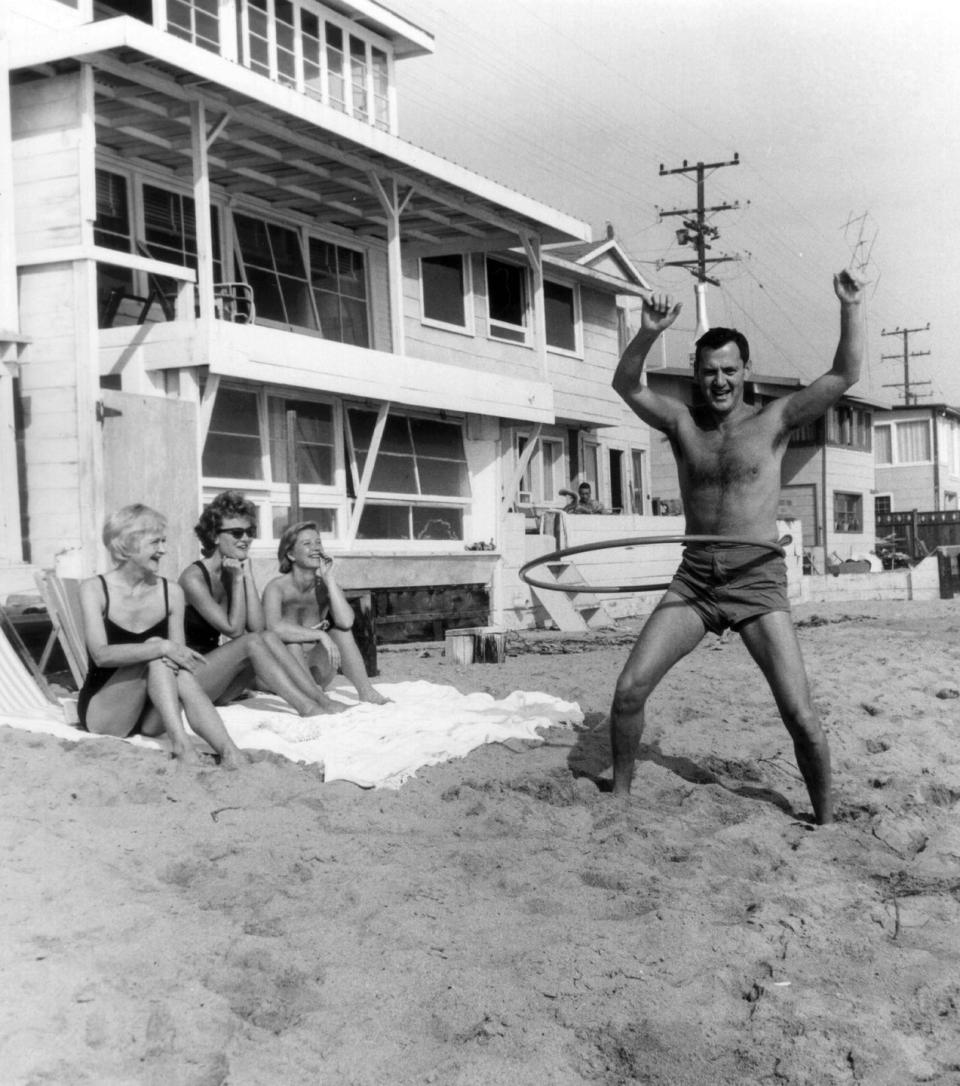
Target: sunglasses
<point x="239" y="533"/>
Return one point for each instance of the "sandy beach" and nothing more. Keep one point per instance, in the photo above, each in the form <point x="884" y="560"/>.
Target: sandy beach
<point x="500" y="918"/>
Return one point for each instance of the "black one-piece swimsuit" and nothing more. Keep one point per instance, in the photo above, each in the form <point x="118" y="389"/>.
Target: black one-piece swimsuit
<point x="98" y="677"/>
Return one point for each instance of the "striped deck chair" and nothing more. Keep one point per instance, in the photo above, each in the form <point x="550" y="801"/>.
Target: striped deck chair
<point x="23" y="689"/>
<point x="62" y="600"/>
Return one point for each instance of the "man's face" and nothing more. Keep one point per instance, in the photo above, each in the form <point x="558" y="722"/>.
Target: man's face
<point x="721" y="375"/>
<point x="584" y="492"/>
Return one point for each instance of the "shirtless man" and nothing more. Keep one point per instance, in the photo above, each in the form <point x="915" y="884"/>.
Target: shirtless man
<point x="306" y="608"/>
<point x="728" y="457"/>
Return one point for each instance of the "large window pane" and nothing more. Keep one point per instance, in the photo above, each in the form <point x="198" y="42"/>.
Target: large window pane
<point x="384" y="522"/>
<point x="325" y="518"/>
<point x="437" y="523"/>
<point x="338" y="279"/>
<point x="560" y="316"/>
<point x="506" y="300"/>
<point x="272" y="258"/>
<point x="884" y="445"/>
<point x="913" y="442"/>
<point x="233" y="448"/>
<point x="444" y="289"/>
<point x="314" y="441"/>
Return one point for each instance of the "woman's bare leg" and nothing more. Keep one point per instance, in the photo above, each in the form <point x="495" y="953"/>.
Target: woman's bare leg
<point x="353" y="667"/>
<point x="205" y="720"/>
<point x="119" y="703"/>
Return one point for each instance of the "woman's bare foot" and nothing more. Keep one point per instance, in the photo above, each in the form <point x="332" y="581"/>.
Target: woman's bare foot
<point x="374" y="697"/>
<point x="186" y="757"/>
<point x="233" y="758"/>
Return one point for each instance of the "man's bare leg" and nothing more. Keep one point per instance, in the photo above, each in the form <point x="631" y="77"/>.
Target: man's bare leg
<point x="772" y="642"/>
<point x="670" y="633"/>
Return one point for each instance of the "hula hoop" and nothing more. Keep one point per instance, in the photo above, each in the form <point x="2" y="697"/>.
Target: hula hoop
<point x="633" y="541"/>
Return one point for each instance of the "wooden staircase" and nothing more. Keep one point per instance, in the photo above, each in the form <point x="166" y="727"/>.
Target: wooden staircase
<point x="570" y="611"/>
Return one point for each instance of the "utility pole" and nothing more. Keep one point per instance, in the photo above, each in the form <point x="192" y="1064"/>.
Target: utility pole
<point x="909" y="397"/>
<point x="696" y="231"/>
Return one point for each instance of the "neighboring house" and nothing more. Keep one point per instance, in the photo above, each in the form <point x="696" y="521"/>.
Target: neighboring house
<point x="917" y="455"/>
<point x="400" y="348"/>
<point x="827" y="477"/>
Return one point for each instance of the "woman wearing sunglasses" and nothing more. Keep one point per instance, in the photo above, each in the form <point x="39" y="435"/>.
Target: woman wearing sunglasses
<point x="223" y="602"/>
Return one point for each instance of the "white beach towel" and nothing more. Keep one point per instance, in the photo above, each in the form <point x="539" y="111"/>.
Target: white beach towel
<point x="373" y="746"/>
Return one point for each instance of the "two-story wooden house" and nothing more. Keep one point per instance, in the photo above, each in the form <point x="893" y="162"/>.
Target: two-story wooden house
<point x="221" y="266"/>
<point x="827" y="477"/>
<point x="917" y="454"/>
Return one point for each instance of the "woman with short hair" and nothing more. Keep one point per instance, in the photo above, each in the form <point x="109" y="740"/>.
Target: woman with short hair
<point x="140" y="673"/>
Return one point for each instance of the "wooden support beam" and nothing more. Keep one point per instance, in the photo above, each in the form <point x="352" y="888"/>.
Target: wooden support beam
<point x="522" y="464"/>
<point x="368" y="467"/>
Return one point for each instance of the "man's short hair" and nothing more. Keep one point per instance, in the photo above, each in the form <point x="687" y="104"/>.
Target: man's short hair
<point x="228" y="505"/>
<point x="719" y="337"/>
<point x="584" y="486"/>
<point x="288" y="539"/>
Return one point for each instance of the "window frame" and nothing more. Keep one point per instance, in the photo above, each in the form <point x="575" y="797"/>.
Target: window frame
<point x="311" y="72"/>
<point x="406" y="499"/>
<point x="466" y="265"/>
<point x="268" y="493"/>
<point x="517" y="334"/>
<point x="839" y="499"/>
<point x="576" y="351"/>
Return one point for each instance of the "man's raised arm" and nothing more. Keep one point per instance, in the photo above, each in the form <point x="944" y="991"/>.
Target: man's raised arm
<point x="811" y="402"/>
<point x="660" y="412"/>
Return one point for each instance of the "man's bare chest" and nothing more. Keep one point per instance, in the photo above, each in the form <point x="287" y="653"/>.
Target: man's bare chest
<point x="736" y="456"/>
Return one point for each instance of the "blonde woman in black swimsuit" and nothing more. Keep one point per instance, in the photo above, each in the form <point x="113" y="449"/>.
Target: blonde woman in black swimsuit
<point x="223" y="603"/>
<point x="140" y="673"/>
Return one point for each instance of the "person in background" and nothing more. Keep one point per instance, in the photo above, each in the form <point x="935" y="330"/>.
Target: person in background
<point x="582" y="501"/>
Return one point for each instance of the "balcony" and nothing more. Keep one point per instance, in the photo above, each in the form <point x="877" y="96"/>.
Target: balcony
<point x="344" y="62"/>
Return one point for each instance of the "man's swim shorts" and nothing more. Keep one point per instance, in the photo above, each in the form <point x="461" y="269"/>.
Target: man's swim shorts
<point x="728" y="584"/>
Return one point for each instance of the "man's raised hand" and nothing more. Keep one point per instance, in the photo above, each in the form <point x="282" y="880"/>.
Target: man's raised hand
<point x="659" y="312"/>
<point x="848" y="287"/>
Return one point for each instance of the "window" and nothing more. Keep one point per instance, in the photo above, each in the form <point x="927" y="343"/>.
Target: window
<point x="882" y="504"/>
<point x="288" y="41"/>
<point x="883" y="445"/>
<point x="196" y="21"/>
<point x="949" y="499"/>
<point x="420" y="484"/>
<point x="112" y="230"/>
<point x="847" y="512"/>
<point x="314" y="440"/>
<point x="849" y="427"/>
<point x="233" y="449"/>
<point x="272" y="259"/>
<point x="170" y="230"/>
<point x="913" y="442"/>
<point x="544" y="476"/>
<point x="507" y="300"/>
<point x="246" y="447"/>
<point x="339" y="285"/>
<point x="443" y="286"/>
<point x="560" y="312"/>
<point x="358" y="78"/>
<point x="808" y="434"/>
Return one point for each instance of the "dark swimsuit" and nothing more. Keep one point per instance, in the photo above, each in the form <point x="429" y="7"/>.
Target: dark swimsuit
<point x="197" y="632"/>
<point x="98" y="677"/>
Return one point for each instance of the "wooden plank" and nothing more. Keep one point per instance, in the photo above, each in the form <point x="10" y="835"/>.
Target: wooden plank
<point x="62" y="600"/>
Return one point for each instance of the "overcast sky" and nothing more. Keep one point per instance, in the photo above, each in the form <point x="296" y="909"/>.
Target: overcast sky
<point x="837" y="108"/>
